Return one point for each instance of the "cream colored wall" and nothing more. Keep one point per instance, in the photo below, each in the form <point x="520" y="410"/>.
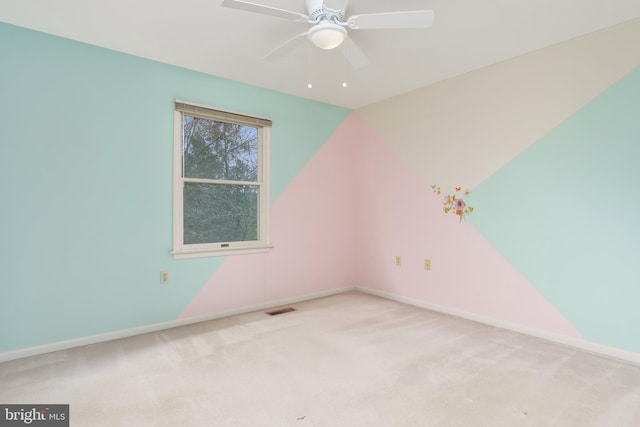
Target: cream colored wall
<point x="462" y="130"/>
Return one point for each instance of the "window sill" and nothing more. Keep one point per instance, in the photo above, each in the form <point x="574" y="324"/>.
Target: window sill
<point x="204" y="253"/>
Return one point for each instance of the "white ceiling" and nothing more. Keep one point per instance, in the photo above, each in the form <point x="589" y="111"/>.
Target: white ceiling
<point x="204" y="36"/>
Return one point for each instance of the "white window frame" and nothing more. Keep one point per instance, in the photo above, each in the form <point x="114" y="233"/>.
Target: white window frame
<point x="263" y="126"/>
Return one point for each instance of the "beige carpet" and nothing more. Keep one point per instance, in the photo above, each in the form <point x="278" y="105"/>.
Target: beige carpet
<point x="344" y="361"/>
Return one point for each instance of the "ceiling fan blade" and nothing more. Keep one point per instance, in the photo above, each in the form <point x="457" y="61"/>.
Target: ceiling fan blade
<point x="392" y="20"/>
<point x="265" y="10"/>
<point x="286" y="47"/>
<point x="354" y="54"/>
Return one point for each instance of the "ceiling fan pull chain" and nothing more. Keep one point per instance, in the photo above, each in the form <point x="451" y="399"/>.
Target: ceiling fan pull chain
<point x="344" y="66"/>
<point x="309" y="84"/>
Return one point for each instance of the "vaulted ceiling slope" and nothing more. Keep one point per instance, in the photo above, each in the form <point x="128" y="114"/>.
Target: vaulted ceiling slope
<point x="206" y="37"/>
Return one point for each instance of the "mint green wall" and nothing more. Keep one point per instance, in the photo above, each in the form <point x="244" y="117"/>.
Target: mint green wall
<point x="86" y="175"/>
<point x="565" y="214"/>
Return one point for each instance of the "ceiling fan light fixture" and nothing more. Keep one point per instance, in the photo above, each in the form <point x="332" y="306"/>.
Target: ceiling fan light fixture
<point x="327" y="35"/>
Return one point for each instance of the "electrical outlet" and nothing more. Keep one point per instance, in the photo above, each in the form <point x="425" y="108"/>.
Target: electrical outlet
<point x="427" y="264"/>
<point x="164" y="276"/>
<point x="398" y="260"/>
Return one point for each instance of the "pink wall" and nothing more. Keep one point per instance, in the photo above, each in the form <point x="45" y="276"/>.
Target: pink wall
<point x="398" y="214"/>
<point x="313" y="230"/>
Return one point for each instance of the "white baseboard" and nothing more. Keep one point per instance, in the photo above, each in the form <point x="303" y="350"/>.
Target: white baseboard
<point x="583" y="345"/>
<point x="124" y="333"/>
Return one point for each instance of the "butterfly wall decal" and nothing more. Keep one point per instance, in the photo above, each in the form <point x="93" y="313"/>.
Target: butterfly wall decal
<point x="454" y="203"/>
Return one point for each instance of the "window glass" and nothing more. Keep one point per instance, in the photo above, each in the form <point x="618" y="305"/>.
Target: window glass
<point x="218" y="150"/>
<point x="216" y="213"/>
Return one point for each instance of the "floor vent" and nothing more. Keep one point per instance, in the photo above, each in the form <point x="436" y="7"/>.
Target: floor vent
<point x="280" y="311"/>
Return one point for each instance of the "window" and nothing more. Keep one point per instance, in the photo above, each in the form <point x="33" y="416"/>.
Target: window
<point x="221" y="185"/>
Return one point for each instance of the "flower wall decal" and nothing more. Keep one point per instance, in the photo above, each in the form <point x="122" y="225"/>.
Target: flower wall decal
<point x="455" y="203"/>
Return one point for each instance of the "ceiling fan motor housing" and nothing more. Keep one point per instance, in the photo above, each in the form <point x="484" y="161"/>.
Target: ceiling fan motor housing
<point x="315" y="8"/>
<point x="319" y="12"/>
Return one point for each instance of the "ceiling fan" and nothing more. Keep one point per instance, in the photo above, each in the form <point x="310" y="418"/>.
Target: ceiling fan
<point x="329" y="29"/>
